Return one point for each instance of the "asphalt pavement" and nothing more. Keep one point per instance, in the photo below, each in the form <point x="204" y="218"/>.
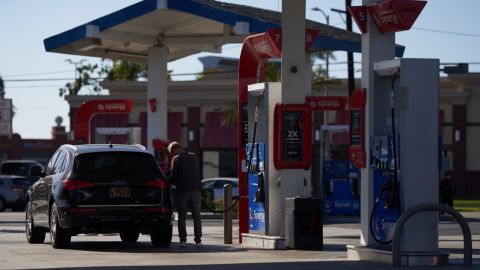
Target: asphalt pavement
<point x="107" y="252"/>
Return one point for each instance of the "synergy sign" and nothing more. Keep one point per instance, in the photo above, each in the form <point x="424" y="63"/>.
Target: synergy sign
<point x="93" y="107"/>
<point x="5" y="117"/>
<point x="388" y="15"/>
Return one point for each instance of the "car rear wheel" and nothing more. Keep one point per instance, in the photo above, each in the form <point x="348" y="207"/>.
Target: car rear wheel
<point x="3" y="204"/>
<point x="34" y="234"/>
<point x="59" y="237"/>
<point x="129" y="237"/>
<point x="161" y="236"/>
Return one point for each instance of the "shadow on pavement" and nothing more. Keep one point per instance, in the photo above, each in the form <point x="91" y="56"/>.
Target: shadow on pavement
<point x="327" y="265"/>
<point x="146" y="247"/>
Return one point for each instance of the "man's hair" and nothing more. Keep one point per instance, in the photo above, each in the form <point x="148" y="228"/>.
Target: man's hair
<point x="174" y="146"/>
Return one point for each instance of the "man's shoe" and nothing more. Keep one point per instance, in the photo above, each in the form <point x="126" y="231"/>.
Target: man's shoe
<point x="183" y="244"/>
<point x="199" y="244"/>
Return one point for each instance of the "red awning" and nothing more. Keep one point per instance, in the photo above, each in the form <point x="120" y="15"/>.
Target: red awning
<point x="218" y="132"/>
<point x="174" y="125"/>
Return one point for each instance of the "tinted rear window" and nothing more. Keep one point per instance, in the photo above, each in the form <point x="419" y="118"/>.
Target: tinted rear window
<point x="116" y="164"/>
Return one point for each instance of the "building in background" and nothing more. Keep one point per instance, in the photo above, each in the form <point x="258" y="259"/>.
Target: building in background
<point x="201" y="116"/>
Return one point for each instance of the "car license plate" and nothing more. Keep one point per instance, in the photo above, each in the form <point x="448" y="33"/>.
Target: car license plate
<point x="119" y="192"/>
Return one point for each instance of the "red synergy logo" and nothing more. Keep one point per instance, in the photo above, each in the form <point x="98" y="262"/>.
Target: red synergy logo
<point x="388" y="15"/>
<point x="112" y="107"/>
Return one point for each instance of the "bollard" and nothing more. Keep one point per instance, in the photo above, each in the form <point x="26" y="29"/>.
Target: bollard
<point x="227" y="215"/>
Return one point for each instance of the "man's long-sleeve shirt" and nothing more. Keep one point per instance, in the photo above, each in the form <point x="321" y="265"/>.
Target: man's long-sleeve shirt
<point x="185" y="173"/>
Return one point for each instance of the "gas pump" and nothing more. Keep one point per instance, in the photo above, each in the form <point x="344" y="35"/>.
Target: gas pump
<point x="160" y="152"/>
<point x="128" y="135"/>
<point x="282" y="137"/>
<point x="256" y="187"/>
<point x="403" y="150"/>
<point x="340" y="178"/>
<point x="386" y="209"/>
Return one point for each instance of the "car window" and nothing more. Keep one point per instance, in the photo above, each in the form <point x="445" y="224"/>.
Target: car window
<point x="68" y="160"/>
<point x="59" y="165"/>
<point x="220" y="184"/>
<point x="117" y="164"/>
<point x="208" y="184"/>
<point x="50" y="169"/>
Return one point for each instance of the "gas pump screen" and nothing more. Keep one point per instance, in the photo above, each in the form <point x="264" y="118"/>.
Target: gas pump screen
<point x="292" y="134"/>
<point x="355" y="127"/>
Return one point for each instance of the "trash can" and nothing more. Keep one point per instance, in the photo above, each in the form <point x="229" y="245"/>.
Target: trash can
<point x="303" y="223"/>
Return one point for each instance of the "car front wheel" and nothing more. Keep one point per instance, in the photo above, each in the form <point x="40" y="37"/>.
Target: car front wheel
<point x="59" y="237"/>
<point x="34" y="234"/>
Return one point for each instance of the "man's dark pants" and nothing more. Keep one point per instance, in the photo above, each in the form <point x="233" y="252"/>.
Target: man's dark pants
<point x="190" y="200"/>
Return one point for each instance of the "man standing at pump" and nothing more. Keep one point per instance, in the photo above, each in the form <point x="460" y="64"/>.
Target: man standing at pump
<point x="185" y="175"/>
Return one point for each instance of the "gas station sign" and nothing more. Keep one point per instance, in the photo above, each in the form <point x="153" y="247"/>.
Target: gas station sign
<point x="359" y="14"/>
<point x="326" y="103"/>
<point x="5" y="117"/>
<point x="389" y="15"/>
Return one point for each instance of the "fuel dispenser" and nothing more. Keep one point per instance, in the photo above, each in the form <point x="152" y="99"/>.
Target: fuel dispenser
<point x="160" y="152"/>
<point x="256" y="187"/>
<point x="387" y="208"/>
<point x="128" y="135"/>
<point x="402" y="157"/>
<point x="280" y="136"/>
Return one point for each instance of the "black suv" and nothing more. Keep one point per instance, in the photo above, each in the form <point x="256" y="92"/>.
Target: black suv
<point x="99" y="189"/>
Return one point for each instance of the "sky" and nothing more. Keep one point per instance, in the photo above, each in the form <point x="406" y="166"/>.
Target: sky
<point x="446" y="29"/>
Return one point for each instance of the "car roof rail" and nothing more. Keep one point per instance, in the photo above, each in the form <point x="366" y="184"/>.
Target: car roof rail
<point x="139" y="146"/>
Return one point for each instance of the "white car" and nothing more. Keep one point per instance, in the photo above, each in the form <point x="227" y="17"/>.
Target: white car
<point x="215" y="186"/>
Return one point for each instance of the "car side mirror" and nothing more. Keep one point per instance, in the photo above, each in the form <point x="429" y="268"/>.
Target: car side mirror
<point x="36" y="171"/>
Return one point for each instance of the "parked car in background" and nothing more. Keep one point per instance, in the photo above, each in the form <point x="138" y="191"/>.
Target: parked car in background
<point x="212" y="191"/>
<point x="13" y="190"/>
<point x="19" y="167"/>
<point x="214" y="186"/>
<point x="99" y="189"/>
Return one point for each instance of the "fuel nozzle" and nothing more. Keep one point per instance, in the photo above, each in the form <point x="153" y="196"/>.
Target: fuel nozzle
<point x="390" y="194"/>
<point x="260" y="194"/>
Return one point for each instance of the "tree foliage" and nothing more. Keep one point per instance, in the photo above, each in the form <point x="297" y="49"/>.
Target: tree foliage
<point x="127" y="70"/>
<point x="86" y="76"/>
<point x="319" y="73"/>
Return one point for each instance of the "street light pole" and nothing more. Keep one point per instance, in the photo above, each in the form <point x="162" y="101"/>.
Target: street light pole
<point x="327" y="60"/>
<point x="348" y="22"/>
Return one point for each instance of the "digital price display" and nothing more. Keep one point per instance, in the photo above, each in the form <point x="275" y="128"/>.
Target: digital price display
<point x="292" y="134"/>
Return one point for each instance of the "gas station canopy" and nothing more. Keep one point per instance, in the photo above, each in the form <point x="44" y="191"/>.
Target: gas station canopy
<point x="186" y="27"/>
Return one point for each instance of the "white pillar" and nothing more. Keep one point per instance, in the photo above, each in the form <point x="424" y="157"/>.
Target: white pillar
<point x="375" y="47"/>
<point x="157" y="89"/>
<point x="293" y="91"/>
<point x="307" y="190"/>
<point x="293" y="51"/>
